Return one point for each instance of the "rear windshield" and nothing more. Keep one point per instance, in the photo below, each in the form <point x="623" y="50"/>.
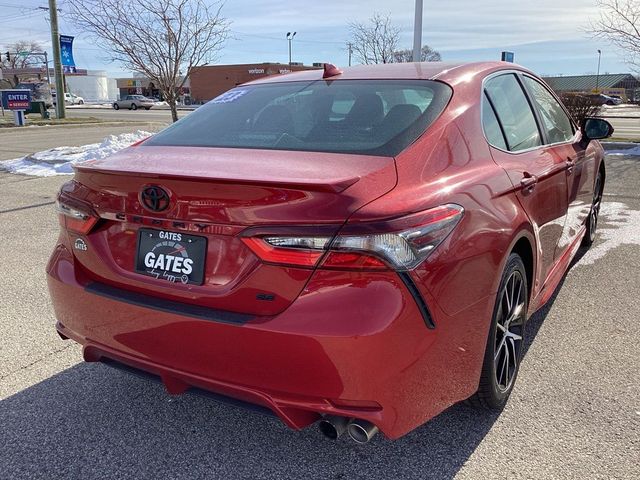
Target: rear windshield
<point x="374" y="117"/>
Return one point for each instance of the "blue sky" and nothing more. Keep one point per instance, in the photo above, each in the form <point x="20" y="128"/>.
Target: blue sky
<point x="547" y="36"/>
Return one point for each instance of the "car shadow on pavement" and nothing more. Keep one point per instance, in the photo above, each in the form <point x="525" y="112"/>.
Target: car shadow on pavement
<point x="91" y="421"/>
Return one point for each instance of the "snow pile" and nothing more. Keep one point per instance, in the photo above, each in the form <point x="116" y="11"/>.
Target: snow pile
<point x="92" y="105"/>
<point x="59" y="161"/>
<point x="618" y="225"/>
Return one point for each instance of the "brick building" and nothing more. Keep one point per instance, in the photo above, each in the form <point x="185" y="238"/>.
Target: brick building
<point x="209" y="81"/>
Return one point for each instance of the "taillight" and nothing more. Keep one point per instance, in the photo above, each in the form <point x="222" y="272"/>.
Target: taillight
<point x="296" y="251"/>
<point x="401" y="243"/>
<point x="75" y="218"/>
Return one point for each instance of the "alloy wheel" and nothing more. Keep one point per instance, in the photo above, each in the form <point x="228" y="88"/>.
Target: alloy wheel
<point x="509" y="331"/>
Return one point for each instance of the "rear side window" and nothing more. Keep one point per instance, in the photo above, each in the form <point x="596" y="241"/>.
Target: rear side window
<point x="514" y="112"/>
<point x="490" y="124"/>
<point x="555" y="120"/>
<point x="373" y="117"/>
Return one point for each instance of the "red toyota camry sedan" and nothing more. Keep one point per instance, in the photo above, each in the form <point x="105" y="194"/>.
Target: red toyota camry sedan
<point x="357" y="248"/>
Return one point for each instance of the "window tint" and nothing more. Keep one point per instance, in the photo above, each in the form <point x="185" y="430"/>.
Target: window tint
<point x="555" y="120"/>
<point x="514" y="112"/>
<point x="375" y="117"/>
<point x="491" y="126"/>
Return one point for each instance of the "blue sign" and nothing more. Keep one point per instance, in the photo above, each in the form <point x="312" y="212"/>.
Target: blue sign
<point x="16" y="99"/>
<point x="66" y="54"/>
<point x="508" y="57"/>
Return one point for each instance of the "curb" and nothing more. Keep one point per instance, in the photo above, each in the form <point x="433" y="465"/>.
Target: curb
<point x="125" y="123"/>
<point x="161" y="109"/>
<point x="618" y="145"/>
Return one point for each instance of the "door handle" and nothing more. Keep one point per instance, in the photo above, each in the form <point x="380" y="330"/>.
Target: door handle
<point x="528" y="182"/>
<point x="570" y="164"/>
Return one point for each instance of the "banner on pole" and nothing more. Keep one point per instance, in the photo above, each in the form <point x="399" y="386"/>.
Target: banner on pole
<point x="66" y="54"/>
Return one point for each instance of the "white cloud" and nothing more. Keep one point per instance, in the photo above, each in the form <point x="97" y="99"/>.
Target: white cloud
<point x="457" y="28"/>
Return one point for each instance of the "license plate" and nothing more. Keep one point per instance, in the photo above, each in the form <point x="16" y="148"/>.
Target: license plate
<point x="171" y="256"/>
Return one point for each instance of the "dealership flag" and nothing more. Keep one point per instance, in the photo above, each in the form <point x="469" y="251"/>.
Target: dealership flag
<point x="66" y="53"/>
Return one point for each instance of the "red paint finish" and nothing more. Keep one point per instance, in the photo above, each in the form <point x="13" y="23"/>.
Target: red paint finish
<point x="324" y="332"/>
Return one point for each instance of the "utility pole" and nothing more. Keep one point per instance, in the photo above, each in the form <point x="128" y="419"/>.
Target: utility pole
<point x="350" y="45"/>
<point x="417" y="32"/>
<point x="598" y="74"/>
<point x="57" y="60"/>
<point x="46" y="65"/>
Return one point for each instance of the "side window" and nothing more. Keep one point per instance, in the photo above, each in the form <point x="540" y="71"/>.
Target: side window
<point x="514" y="112"/>
<point x="491" y="127"/>
<point x="556" y="122"/>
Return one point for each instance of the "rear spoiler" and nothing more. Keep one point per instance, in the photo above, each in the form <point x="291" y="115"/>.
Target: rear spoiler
<point x="336" y="185"/>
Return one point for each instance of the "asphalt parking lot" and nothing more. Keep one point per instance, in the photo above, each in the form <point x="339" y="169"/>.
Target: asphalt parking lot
<point x="575" y="412"/>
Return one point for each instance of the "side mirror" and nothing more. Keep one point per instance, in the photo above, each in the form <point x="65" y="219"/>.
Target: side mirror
<point x="596" y="129"/>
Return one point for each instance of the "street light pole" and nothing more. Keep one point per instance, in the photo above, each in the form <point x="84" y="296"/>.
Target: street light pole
<point x="57" y="60"/>
<point x="598" y="74"/>
<point x="417" y="32"/>
<point x="46" y="65"/>
<point x="290" y="37"/>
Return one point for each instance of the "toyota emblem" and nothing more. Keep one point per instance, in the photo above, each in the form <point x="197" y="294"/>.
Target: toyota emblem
<point x="155" y="198"/>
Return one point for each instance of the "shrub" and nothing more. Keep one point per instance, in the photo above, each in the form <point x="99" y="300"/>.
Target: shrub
<point x="580" y="106"/>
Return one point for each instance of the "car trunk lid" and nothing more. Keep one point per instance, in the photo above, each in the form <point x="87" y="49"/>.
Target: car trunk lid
<point x="216" y="194"/>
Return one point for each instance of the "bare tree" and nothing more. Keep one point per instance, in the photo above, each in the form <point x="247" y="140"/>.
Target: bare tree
<point x="160" y="39"/>
<point x="374" y="41"/>
<point x="20" y="54"/>
<point x="619" y="23"/>
<point x="427" y="54"/>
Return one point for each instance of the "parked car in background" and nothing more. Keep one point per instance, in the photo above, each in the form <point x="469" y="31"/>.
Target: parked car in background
<point x="69" y="99"/>
<point x="134" y="102"/>
<point x="358" y="248"/>
<point x="602" y="99"/>
<point x="73" y="99"/>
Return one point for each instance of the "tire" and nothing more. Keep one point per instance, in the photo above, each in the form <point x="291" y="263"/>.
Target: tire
<point x="116" y="106"/>
<point x="147" y="108"/>
<point x="499" y="370"/>
<point x="81" y="102"/>
<point x="134" y="106"/>
<point x="594" y="212"/>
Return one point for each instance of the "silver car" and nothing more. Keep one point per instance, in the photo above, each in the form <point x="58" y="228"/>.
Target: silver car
<point x="134" y="102"/>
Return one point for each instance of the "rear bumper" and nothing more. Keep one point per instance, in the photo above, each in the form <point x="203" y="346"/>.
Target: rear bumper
<point x="354" y="345"/>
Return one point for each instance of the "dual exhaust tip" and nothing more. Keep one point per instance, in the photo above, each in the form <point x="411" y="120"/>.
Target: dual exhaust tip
<point x="360" y="431"/>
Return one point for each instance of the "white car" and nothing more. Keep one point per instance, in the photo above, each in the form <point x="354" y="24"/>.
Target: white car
<point x="69" y="99"/>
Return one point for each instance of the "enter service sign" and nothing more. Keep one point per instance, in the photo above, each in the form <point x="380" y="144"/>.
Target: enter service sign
<point x="16" y="99"/>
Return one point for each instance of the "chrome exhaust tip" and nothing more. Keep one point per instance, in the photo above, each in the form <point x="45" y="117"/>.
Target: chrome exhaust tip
<point x="332" y="426"/>
<point x="362" y="431"/>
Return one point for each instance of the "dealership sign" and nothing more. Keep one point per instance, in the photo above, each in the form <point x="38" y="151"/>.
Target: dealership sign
<point x="66" y="54"/>
<point x="16" y="99"/>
